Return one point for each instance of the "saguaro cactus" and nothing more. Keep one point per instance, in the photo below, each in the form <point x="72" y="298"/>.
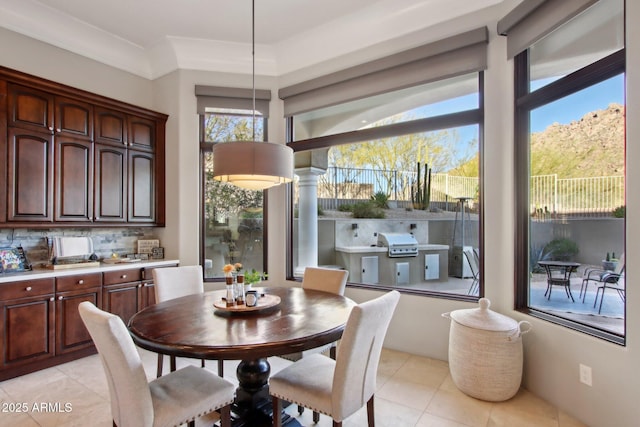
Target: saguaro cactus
<point x="421" y="192"/>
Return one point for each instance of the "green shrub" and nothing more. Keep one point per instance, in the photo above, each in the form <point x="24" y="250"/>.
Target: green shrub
<point x="537" y="253"/>
<point x="366" y="210"/>
<point x="345" y="208"/>
<point x="561" y="249"/>
<point x="619" y="212"/>
<point x="380" y="200"/>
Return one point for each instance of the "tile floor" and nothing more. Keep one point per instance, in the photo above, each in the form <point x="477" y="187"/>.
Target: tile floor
<point x="412" y="391"/>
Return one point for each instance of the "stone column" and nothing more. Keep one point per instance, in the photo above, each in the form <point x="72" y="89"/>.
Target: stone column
<point x="307" y="217"/>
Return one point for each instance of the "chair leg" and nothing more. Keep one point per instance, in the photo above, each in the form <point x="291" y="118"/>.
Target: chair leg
<point x="337" y="423"/>
<point x="300" y="409"/>
<point x="220" y="368"/>
<point x="160" y="363"/>
<point x="277" y="411"/>
<point x="225" y="416"/>
<point x="370" y="413"/>
<point x="332" y="351"/>
<point x="316" y="417"/>
<point x="172" y="363"/>
<point x="192" y="423"/>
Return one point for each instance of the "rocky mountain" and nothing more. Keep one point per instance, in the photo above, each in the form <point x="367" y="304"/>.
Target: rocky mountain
<point x="589" y="147"/>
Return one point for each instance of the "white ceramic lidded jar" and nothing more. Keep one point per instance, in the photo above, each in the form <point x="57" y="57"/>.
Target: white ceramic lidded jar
<point x="485" y="352"/>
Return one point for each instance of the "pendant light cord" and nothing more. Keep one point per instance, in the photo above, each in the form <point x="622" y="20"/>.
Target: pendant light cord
<point x="253" y="59"/>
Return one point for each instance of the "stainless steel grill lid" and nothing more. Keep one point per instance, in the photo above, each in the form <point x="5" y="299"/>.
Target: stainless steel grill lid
<point x="399" y="244"/>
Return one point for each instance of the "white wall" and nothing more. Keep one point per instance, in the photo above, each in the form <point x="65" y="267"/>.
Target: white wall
<point x="552" y="353"/>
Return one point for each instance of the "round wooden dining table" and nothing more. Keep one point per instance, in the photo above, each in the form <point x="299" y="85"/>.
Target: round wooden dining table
<point x="192" y="327"/>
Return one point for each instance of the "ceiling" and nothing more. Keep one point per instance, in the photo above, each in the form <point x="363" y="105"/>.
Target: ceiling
<point x="153" y="37"/>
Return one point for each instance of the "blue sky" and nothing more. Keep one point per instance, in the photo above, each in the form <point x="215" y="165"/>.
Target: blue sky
<point x="574" y="107"/>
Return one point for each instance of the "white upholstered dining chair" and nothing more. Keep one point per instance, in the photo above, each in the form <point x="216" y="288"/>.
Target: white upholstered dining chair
<point x="327" y="280"/>
<point x="172" y="400"/>
<point x="339" y="388"/>
<point x="176" y="282"/>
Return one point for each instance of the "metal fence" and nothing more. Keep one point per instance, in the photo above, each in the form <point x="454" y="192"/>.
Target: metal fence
<point x="550" y="196"/>
<point x="345" y="185"/>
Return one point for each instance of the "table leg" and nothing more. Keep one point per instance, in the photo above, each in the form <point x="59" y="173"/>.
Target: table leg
<point x="252" y="406"/>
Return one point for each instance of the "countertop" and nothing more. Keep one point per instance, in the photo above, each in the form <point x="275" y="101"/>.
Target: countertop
<point x="382" y="249"/>
<point x="43" y="272"/>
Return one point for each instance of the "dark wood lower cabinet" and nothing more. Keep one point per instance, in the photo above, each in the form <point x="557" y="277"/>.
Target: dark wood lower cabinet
<point x="123" y="300"/>
<point x="41" y="326"/>
<point x="71" y="334"/>
<point x="28" y="331"/>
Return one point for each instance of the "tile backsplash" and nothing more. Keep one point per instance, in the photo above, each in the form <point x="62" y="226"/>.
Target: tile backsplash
<point x="105" y="240"/>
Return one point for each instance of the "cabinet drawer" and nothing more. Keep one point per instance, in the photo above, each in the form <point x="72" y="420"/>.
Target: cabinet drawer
<point x="78" y="281"/>
<point x="26" y="289"/>
<point x="122" y="276"/>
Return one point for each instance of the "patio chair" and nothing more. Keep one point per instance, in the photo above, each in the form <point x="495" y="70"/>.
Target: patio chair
<point x="596" y="275"/>
<point x="475" y="271"/>
<point x="612" y="281"/>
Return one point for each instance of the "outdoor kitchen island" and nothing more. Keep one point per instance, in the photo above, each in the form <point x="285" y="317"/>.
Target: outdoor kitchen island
<point x="373" y="265"/>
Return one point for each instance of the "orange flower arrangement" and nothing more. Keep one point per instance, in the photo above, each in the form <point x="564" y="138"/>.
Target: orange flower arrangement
<point x="237" y="266"/>
<point x="228" y="268"/>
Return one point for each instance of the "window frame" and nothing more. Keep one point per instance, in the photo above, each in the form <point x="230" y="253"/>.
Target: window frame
<point x="207" y="147"/>
<point x="428" y="124"/>
<point x="524" y="102"/>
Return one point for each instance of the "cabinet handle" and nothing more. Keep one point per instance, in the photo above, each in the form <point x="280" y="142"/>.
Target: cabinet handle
<point x="140" y="285"/>
<point x="28" y="288"/>
<point x="60" y="298"/>
<point x="51" y="299"/>
<point x="58" y="130"/>
<point x="51" y="128"/>
<point x="80" y="282"/>
<point x="124" y="276"/>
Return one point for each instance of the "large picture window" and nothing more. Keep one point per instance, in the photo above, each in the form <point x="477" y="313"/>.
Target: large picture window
<point x="570" y="151"/>
<point x="233" y="219"/>
<point x="391" y="186"/>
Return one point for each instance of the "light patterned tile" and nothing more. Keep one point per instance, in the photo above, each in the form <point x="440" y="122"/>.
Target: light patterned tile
<point x="429" y="420"/>
<point x="523" y="410"/>
<point x="14" y="413"/>
<point x="457" y="406"/>
<point x="413" y="395"/>
<point x="566" y="420"/>
<point x="423" y="370"/>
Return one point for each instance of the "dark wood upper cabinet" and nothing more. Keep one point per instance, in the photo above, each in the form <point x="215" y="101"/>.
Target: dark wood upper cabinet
<point x="30" y="108"/>
<point x="30" y="176"/>
<point x="110" y="126"/>
<point x="73" y="180"/>
<point x="141" y="187"/>
<point x="74" y="158"/>
<point x="142" y="133"/>
<point x="110" y="188"/>
<point x="73" y="118"/>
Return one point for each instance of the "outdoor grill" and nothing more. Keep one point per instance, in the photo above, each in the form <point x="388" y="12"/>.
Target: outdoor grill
<point x="399" y="244"/>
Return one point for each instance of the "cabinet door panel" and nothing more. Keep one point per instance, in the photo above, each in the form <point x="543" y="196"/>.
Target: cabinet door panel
<point x="141" y="187"/>
<point x="30" y="180"/>
<point x="110" y="127"/>
<point x="74" y="117"/>
<point x="142" y="133"/>
<point x="30" y="108"/>
<point x="71" y="334"/>
<point x="123" y="300"/>
<point x="74" y="180"/>
<point x="28" y="330"/>
<point x="110" y="183"/>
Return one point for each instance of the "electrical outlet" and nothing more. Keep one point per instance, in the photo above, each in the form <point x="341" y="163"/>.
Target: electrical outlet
<point x="585" y="375"/>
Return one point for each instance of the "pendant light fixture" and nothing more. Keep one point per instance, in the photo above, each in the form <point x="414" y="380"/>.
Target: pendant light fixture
<point x="253" y="165"/>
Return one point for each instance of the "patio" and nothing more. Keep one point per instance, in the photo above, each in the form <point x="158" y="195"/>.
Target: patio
<point x="613" y="309"/>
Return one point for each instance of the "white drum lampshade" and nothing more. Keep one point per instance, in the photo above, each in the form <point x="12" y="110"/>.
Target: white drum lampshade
<point x="253" y="165"/>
